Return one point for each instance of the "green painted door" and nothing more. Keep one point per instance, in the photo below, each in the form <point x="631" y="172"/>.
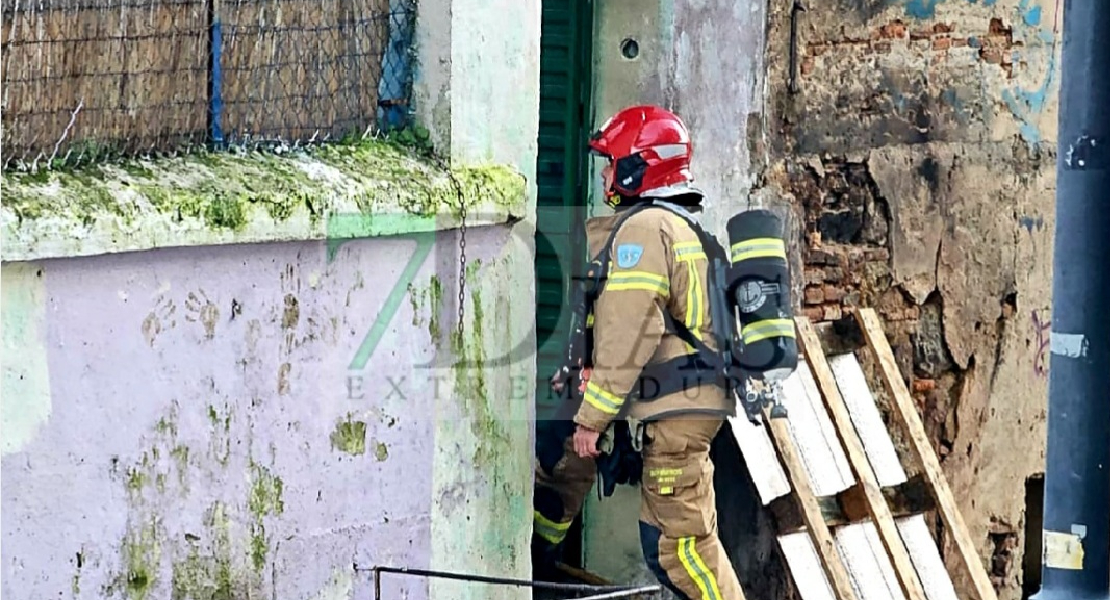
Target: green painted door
<point x="565" y="76"/>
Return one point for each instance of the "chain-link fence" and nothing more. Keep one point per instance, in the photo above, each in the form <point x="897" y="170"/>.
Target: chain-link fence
<point x="95" y="79"/>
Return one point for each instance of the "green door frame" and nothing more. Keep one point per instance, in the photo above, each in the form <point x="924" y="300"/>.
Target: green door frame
<point x="562" y="173"/>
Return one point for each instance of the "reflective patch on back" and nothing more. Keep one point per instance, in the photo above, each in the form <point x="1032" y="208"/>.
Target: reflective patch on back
<point x="628" y="255"/>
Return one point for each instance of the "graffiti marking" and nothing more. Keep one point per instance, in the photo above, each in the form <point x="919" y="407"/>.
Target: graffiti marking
<point x="1041" y="331"/>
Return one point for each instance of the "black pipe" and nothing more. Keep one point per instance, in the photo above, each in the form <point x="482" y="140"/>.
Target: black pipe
<point x="1076" y="560"/>
<point x="608" y="591"/>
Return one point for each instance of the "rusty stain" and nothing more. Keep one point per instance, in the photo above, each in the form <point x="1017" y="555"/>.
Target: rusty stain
<point x="203" y="310"/>
<point x="283" y="379"/>
<point x="292" y="312"/>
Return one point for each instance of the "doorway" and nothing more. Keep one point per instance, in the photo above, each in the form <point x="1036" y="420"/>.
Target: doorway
<point x="565" y="117"/>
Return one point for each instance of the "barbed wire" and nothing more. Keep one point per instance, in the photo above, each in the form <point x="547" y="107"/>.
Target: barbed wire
<point x="99" y="80"/>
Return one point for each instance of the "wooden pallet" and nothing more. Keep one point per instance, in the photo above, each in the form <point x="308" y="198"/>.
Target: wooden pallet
<point x="851" y="523"/>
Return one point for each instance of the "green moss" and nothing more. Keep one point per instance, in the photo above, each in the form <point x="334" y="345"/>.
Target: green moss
<point x="228" y="213"/>
<point x="206" y="573"/>
<point x="349" y="436"/>
<point x="435" y="290"/>
<point x="141" y="552"/>
<point x="180" y="455"/>
<point x="266" y="492"/>
<point x="491" y="438"/>
<point x="165" y="426"/>
<point x="381" y="452"/>
<point x="416" y="301"/>
<point x="230" y="192"/>
<point x="220" y="441"/>
<point x="265" y="499"/>
<point x="136" y="480"/>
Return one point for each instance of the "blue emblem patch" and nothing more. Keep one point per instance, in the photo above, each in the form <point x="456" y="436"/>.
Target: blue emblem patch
<point x="628" y="255"/>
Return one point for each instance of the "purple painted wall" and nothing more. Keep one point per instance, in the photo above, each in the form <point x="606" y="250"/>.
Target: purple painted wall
<point x="195" y="442"/>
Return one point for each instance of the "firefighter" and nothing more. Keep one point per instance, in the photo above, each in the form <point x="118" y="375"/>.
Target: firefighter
<point x="658" y="268"/>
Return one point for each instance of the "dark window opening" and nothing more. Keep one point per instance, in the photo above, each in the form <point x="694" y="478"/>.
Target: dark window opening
<point x="1034" y="526"/>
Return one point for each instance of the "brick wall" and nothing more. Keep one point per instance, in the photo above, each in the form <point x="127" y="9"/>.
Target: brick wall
<point x="916" y="155"/>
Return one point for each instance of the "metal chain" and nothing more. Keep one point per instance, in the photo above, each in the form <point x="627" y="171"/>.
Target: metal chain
<point x="462" y="244"/>
<point x="462" y="254"/>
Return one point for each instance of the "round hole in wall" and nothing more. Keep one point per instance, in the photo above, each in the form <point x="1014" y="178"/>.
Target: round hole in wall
<point x="630" y="48"/>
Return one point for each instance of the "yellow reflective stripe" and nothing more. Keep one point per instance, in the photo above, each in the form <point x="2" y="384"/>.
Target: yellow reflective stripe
<point x="694" y="303"/>
<point x="590" y="320"/>
<point x="601" y="399"/>
<point x="638" y="280"/>
<point x="548" y="529"/>
<point x="688" y="251"/>
<point x="767" y="328"/>
<point x="696" y="569"/>
<point x="759" y="248"/>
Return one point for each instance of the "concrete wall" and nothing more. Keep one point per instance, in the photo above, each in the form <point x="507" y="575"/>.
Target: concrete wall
<point x="703" y="60"/>
<point x="197" y="421"/>
<point x="919" y="156"/>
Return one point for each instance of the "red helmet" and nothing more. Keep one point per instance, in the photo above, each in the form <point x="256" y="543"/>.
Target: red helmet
<point x="650" y="150"/>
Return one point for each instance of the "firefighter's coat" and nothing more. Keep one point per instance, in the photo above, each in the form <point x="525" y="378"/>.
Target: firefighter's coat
<point x="657" y="264"/>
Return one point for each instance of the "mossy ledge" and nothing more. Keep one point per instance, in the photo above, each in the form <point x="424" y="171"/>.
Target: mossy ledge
<point x="374" y="187"/>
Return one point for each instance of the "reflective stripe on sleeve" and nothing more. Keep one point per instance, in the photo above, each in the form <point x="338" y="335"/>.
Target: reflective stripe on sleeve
<point x="602" y="400"/>
<point x="688" y="251"/>
<point x="638" y="280"/>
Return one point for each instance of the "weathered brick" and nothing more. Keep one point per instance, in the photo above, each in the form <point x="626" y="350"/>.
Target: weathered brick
<point x="876" y="254"/>
<point x="807" y="66"/>
<point x="893" y="30"/>
<point x="814" y="276"/>
<point x="991" y="55"/>
<point x="833" y="312"/>
<point x="851" y="299"/>
<point x="924" y="385"/>
<point x="834" y="274"/>
<point x="822" y="257"/>
<point x="833" y="293"/>
<point x="911" y="313"/>
<point x="814" y="313"/>
<point x="814" y="295"/>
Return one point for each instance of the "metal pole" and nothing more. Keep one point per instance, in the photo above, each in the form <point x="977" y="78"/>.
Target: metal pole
<point x="1076" y="559"/>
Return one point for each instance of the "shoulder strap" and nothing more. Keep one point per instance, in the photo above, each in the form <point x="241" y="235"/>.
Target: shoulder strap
<point x="714" y="251"/>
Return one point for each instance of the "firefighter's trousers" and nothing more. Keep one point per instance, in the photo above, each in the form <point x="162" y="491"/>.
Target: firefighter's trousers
<point x="678" y="515"/>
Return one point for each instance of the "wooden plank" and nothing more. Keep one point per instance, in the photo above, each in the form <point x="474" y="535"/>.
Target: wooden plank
<point x="861" y="469"/>
<point x="831" y="561"/>
<point x="850" y="506"/>
<point x="906" y="414"/>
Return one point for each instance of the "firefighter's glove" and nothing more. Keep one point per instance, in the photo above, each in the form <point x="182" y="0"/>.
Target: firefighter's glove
<point x="619" y="463"/>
